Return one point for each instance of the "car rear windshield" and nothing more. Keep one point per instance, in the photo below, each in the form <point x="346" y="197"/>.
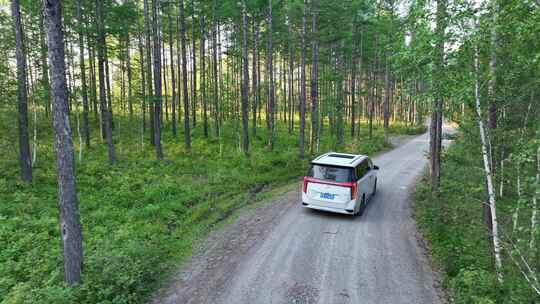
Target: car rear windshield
<point x="331" y="173"/>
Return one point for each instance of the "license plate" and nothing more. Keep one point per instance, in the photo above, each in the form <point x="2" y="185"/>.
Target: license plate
<point x="327" y="195"/>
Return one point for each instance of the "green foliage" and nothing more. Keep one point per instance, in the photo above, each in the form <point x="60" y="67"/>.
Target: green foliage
<point x="140" y="218"/>
<point x="474" y="286"/>
<point x="454" y="226"/>
<point x="7" y="75"/>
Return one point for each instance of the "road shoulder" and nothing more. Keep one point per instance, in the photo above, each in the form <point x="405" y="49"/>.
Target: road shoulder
<point x="219" y="256"/>
<point x="424" y="247"/>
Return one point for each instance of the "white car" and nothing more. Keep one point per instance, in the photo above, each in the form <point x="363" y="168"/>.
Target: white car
<point x="340" y="182"/>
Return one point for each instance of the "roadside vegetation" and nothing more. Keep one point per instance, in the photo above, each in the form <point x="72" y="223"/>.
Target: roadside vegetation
<point x="454" y="223"/>
<point x="480" y="210"/>
<point x="141" y="217"/>
<point x="166" y="116"/>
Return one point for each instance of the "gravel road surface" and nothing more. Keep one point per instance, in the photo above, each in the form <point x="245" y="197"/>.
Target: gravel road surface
<point x="283" y="253"/>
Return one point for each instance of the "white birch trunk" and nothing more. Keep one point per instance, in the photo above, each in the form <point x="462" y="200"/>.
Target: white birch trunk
<point x="525" y="269"/>
<point x="501" y="185"/>
<point x="489" y="177"/>
<point x="515" y="215"/>
<point x="501" y="175"/>
<point x="34" y="141"/>
<point x="79" y="129"/>
<point x="534" y="216"/>
<point x="142" y="126"/>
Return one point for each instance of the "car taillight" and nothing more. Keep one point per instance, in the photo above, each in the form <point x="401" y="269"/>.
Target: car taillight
<point x="353" y="191"/>
<point x="351" y="185"/>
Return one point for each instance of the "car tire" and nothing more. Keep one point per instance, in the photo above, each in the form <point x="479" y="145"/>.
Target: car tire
<point x="375" y="187"/>
<point x="362" y="206"/>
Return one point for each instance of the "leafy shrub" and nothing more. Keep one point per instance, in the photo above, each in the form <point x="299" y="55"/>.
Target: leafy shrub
<point x="474" y="286"/>
<point x="140" y="218"/>
<point x="454" y="226"/>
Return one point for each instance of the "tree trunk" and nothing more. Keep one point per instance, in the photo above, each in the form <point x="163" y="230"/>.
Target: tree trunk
<point x="284" y="91"/>
<point x="194" y="68"/>
<point x="215" y="69"/>
<point x="259" y="103"/>
<point x="488" y="174"/>
<point x="255" y="78"/>
<point x="22" y="94"/>
<point x="515" y="214"/>
<point x="173" y="79"/>
<point x="245" y="80"/>
<point x="301" y="133"/>
<point x="71" y="66"/>
<point x="187" y="132"/>
<point x="386" y="107"/>
<point x="35" y="120"/>
<point x="219" y="63"/>
<point x="143" y="89"/>
<point x="353" y="93"/>
<point x="93" y="85"/>
<point x="534" y="216"/>
<point x="436" y="119"/>
<point x="129" y="76"/>
<point x="108" y="82"/>
<point x="360" y="74"/>
<point x="203" y="78"/>
<point x="69" y="74"/>
<point x="122" y="63"/>
<point x="492" y="108"/>
<point x="492" y="82"/>
<point x="314" y="78"/>
<point x="270" y="71"/>
<point x="84" y="91"/>
<point x="150" y="103"/>
<point x="164" y="72"/>
<point x="69" y="221"/>
<point x="340" y="98"/>
<point x="291" y="80"/>
<point x="157" y="79"/>
<point x="371" y="100"/>
<point x="105" y="112"/>
<point x="44" y="67"/>
<point x="179" y="68"/>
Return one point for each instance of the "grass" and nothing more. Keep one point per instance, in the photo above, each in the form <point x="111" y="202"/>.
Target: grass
<point x="453" y="225"/>
<point x="141" y="218"/>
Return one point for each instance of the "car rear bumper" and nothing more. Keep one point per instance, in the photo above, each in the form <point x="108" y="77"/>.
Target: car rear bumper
<point x="329" y="209"/>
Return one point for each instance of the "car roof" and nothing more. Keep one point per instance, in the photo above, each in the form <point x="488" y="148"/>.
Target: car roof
<point x="339" y="159"/>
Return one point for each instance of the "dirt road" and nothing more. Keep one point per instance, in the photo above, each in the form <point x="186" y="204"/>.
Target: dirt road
<point x="282" y="253"/>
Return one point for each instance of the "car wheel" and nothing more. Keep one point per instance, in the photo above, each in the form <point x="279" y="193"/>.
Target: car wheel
<point x="362" y="206"/>
<point x="375" y="187"/>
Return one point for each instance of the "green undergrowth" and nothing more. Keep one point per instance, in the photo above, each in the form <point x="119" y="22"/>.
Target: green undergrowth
<point x="141" y="217"/>
<point x="453" y="225"/>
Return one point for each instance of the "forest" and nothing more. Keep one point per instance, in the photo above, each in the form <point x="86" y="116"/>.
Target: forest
<point x="130" y="129"/>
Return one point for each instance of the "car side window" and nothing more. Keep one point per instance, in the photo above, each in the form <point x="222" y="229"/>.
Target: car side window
<point x="362" y="169"/>
<point x="359" y="172"/>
